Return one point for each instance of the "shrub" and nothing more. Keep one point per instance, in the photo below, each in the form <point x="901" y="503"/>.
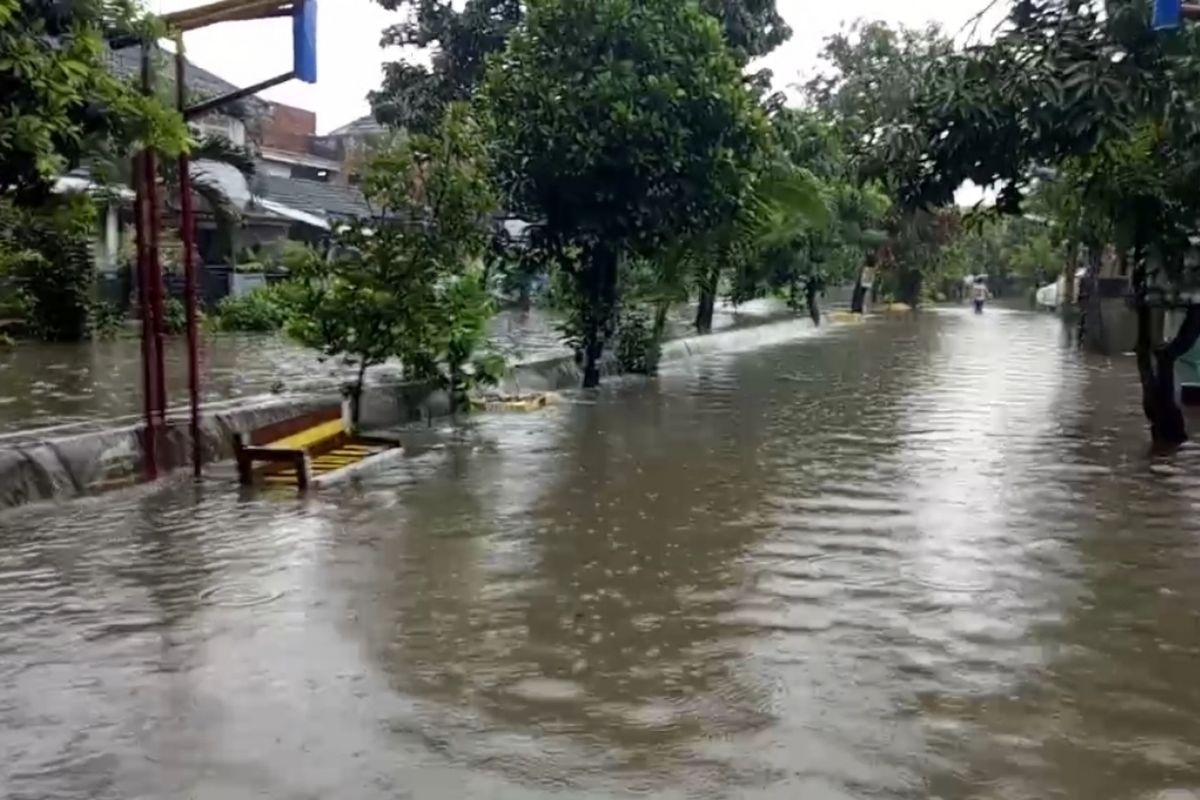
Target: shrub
<point x="638" y="350"/>
<point x="174" y="316"/>
<point x="263" y="310"/>
<point x="106" y="320"/>
<point x="47" y="258"/>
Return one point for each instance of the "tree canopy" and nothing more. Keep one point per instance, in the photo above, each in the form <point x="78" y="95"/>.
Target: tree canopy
<point x="460" y="39"/>
<point x="404" y="284"/>
<point x="1084" y="96"/>
<point x="60" y="100"/>
<point x="620" y="125"/>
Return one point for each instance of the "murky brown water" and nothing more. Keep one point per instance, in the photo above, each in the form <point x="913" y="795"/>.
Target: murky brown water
<point x="909" y="559"/>
<point x="58" y="389"/>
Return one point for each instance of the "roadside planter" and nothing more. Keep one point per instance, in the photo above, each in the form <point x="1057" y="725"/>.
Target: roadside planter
<point x="245" y="278"/>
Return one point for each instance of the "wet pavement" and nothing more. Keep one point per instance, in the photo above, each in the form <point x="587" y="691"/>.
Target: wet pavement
<point x="912" y="558"/>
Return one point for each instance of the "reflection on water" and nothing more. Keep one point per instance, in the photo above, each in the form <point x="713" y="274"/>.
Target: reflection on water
<point x="59" y="388"/>
<point x="44" y="385"/>
<point x="918" y="558"/>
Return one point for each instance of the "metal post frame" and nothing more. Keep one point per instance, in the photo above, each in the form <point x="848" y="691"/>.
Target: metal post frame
<point x="150" y="436"/>
<point x="217" y="102"/>
<point x="144" y="173"/>
<point x="157" y="289"/>
<point x="151" y="290"/>
<point x="187" y="232"/>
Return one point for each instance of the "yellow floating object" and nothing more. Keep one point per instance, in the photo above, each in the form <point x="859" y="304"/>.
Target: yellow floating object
<point x="531" y="403"/>
<point x="845" y="316"/>
<point x="897" y="307"/>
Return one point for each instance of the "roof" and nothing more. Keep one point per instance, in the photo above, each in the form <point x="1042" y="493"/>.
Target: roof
<point x="363" y="126"/>
<point x="329" y="200"/>
<point x="126" y="62"/>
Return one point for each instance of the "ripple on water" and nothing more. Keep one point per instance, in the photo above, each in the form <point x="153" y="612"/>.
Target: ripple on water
<point x="939" y="564"/>
<point x="237" y="595"/>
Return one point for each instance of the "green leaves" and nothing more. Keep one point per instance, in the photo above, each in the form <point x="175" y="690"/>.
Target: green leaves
<point x="621" y="127"/>
<point x="621" y="121"/>
<point x="60" y="102"/>
<point x="407" y="284"/>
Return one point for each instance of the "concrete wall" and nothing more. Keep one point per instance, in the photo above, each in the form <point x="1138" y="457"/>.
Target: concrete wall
<point x="92" y="462"/>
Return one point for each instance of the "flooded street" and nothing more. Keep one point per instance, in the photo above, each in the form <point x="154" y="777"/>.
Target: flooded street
<point x="920" y="558"/>
<point x="52" y="390"/>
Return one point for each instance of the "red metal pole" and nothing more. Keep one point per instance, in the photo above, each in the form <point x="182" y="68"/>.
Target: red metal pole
<point x="148" y="378"/>
<point x="141" y="222"/>
<point x="187" y="232"/>
<point x="157" y="291"/>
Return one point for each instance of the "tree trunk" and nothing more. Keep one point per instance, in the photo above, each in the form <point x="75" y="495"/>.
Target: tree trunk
<point x="524" y="299"/>
<point x="356" y="391"/>
<point x="1090" y="318"/>
<point x="1068" y="297"/>
<point x="660" y="320"/>
<point x="600" y="296"/>
<point x="708" y="300"/>
<point x="1156" y="370"/>
<point x="810" y="297"/>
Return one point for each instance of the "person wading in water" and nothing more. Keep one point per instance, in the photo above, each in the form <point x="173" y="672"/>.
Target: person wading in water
<point x="980" y="293"/>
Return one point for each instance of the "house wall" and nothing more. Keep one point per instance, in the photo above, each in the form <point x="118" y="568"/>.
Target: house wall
<point x="289" y="128"/>
<point x="230" y="128"/>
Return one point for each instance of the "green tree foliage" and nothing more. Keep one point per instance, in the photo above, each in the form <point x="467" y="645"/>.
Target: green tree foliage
<point x="61" y="103"/>
<point x="873" y="75"/>
<point x="459" y="41"/>
<point x="818" y="246"/>
<point x="621" y="126"/>
<point x="1088" y="91"/>
<point x="460" y="37"/>
<point x="46" y="269"/>
<point x="402" y="287"/>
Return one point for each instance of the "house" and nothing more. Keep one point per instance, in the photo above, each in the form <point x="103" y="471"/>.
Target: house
<point x="289" y="147"/>
<point x="298" y="191"/>
<point x="239" y="122"/>
<point x="352" y="144"/>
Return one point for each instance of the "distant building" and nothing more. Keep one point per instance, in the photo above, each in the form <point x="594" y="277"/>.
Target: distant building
<point x="351" y="145"/>
<point x="300" y="190"/>
<point x="289" y="147"/>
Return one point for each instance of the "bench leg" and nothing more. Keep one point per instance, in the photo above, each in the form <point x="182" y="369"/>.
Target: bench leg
<point x="244" y="462"/>
<point x="303" y="472"/>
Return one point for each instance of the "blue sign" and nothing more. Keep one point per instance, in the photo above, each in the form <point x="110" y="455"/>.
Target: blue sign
<point x="304" y="40"/>
<point x="1167" y="15"/>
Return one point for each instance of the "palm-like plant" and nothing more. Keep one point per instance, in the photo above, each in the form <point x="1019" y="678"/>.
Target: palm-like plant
<point x="220" y="173"/>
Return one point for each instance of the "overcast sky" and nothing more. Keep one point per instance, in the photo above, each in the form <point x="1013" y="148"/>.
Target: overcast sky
<point x="349" y="56"/>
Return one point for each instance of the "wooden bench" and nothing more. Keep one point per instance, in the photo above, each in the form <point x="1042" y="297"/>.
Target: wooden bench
<point x="301" y="448"/>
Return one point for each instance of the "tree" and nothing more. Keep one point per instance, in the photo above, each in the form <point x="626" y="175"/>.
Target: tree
<point x="621" y="126"/>
<point x="413" y="96"/>
<point x="874" y="75"/>
<point x="408" y="284"/>
<point x="61" y="103"/>
<point x="459" y="41"/>
<point x="798" y="260"/>
<point x="1088" y="90"/>
<point x="46" y="266"/>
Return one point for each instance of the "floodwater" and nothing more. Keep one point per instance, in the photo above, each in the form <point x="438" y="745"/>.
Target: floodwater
<point x="49" y="390"/>
<point x="922" y="558"/>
